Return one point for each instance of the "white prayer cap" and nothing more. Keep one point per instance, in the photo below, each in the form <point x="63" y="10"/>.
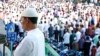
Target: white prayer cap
<point x="29" y="12"/>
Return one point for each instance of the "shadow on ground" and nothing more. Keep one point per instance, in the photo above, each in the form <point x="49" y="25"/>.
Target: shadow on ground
<point x="2" y="38"/>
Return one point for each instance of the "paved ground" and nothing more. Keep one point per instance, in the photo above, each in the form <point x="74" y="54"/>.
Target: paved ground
<point x="2" y="40"/>
<point x="7" y="51"/>
<point x="2" y="27"/>
<point x="2" y="32"/>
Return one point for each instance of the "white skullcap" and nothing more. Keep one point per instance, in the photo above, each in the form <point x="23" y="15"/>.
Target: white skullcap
<point x="29" y="12"/>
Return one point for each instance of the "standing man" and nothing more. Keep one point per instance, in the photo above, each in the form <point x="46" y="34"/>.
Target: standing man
<point x="33" y="44"/>
<point x="50" y="30"/>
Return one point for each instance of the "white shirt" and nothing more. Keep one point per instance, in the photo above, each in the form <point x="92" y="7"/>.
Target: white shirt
<point x="97" y="30"/>
<point x="32" y="45"/>
<point x="83" y="30"/>
<point x="95" y="1"/>
<point x="41" y="26"/>
<point x="74" y="23"/>
<point x="86" y="24"/>
<point x="70" y="29"/>
<point x="45" y="28"/>
<point x="78" y="36"/>
<point x="66" y="38"/>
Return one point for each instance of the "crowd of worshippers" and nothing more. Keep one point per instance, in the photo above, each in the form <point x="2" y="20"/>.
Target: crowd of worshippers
<point x="81" y="39"/>
<point x="77" y="26"/>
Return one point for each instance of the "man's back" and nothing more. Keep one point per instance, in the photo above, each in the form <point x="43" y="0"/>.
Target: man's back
<point x="66" y="38"/>
<point x="39" y="44"/>
<point x="32" y="45"/>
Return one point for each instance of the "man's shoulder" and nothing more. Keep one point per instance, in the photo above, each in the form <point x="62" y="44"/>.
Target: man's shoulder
<point x="35" y="34"/>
